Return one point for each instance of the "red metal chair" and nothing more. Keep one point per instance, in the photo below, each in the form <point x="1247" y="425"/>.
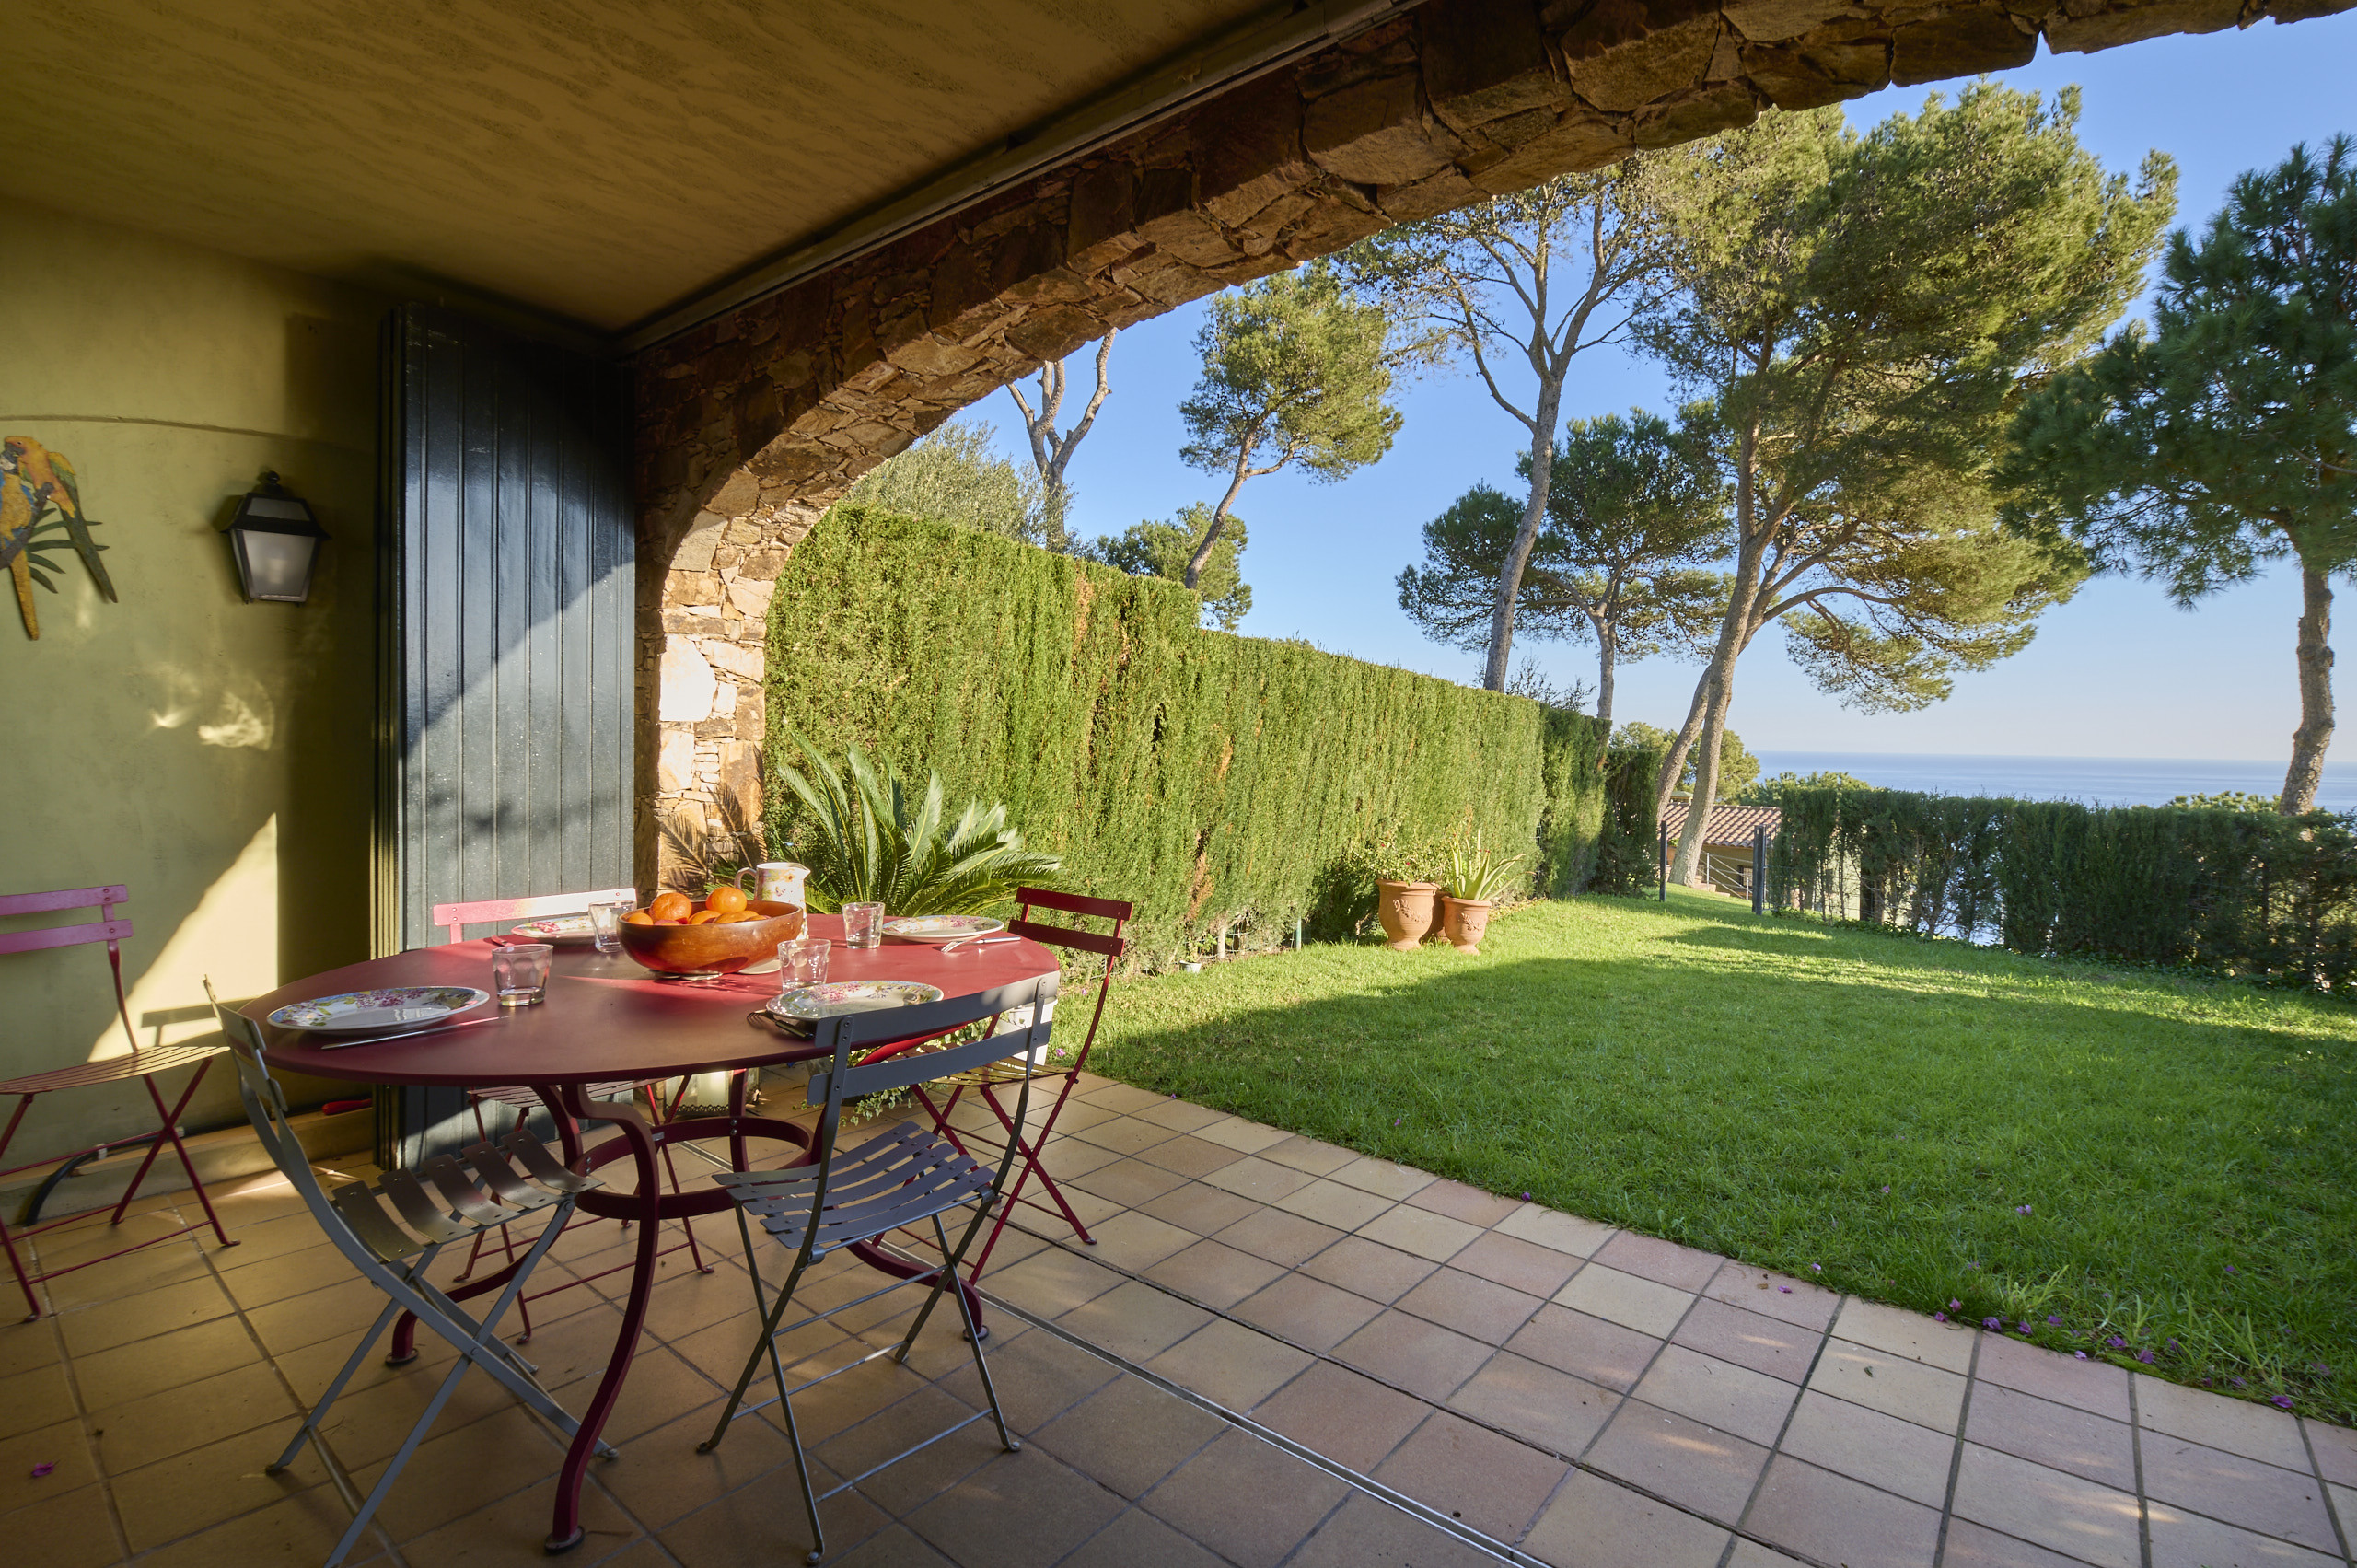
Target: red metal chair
<point x="986" y="1081"/>
<point x="143" y="1065"/>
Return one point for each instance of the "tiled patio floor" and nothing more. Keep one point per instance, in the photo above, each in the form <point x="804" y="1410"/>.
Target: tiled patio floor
<point x="1576" y="1395"/>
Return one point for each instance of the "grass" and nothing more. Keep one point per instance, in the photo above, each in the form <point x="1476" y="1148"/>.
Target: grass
<point x="2132" y="1163"/>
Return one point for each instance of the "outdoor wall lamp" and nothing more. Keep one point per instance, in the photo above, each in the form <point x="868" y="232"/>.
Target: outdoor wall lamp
<point x="277" y="543"/>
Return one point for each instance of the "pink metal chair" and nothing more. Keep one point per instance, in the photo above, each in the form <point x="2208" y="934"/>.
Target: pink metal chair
<point x="455" y="918"/>
<point x="143" y="1065"/>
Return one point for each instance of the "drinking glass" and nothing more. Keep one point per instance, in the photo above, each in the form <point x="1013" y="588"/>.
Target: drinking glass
<point x="606" y="922"/>
<point x="863" y="925"/>
<point x="802" y="961"/>
<point x="520" y="973"/>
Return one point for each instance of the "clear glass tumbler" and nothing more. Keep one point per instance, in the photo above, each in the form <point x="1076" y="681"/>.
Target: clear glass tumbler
<point x="863" y="925"/>
<point x="803" y="961"/>
<point x="606" y="922"/>
<point x="520" y="973"/>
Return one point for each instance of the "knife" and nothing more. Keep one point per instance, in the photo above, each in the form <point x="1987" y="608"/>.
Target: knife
<point x="412" y="1034"/>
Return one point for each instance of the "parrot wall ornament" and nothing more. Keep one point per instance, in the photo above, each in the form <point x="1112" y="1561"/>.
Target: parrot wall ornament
<point x="34" y="481"/>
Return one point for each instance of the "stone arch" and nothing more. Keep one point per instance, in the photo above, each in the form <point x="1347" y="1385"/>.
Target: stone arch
<point x="751" y="425"/>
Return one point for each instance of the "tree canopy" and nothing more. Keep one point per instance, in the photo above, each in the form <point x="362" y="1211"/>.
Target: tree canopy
<point x="2225" y="438"/>
<point x="1154" y="549"/>
<point x="954" y="475"/>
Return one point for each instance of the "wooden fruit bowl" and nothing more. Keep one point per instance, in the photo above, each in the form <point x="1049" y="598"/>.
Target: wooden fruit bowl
<point x="714" y="949"/>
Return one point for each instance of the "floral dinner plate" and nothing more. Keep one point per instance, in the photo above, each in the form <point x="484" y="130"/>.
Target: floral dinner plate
<point x="941" y="927"/>
<point x="391" y="1008"/>
<point x="561" y="928"/>
<point x="841" y="996"/>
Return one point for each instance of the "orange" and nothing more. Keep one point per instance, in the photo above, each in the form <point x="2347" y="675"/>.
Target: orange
<point x="638" y="917"/>
<point x="670" y="907"/>
<point x="725" y="900"/>
<point x="740" y="917"/>
<point x="702" y="917"/>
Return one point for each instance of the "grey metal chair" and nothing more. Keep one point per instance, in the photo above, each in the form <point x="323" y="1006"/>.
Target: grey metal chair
<point x="904" y="1176"/>
<point x="393" y="1247"/>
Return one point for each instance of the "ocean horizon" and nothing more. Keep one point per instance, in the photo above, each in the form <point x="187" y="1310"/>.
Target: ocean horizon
<point x="2095" y="781"/>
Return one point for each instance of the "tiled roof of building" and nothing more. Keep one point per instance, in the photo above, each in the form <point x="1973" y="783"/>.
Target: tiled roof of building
<point x="1732" y="825"/>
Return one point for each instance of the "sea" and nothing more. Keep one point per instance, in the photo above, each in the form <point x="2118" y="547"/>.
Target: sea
<point x="2096" y="781"/>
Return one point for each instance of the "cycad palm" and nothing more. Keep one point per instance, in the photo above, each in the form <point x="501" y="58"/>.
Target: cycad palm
<point x="866" y="840"/>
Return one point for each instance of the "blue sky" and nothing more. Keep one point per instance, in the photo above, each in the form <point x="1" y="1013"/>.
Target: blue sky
<point x="2116" y="672"/>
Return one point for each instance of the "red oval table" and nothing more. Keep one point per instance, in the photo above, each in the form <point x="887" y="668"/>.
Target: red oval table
<point x="606" y="1019"/>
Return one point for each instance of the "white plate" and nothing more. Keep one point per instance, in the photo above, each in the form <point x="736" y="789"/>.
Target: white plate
<point x="941" y="927"/>
<point x="836" y="997"/>
<point x="558" y="928"/>
<point x="394" y="1008"/>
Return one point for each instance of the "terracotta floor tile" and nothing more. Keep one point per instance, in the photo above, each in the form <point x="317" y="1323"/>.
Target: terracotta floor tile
<point x="207" y="1485"/>
<point x="2336" y="1452"/>
<point x="1364" y="1533"/>
<point x="1634" y="1302"/>
<point x="1077" y="1112"/>
<point x="454" y="1473"/>
<point x="1552" y="1408"/>
<point x="1430" y="1236"/>
<point x="1471" y="1473"/>
<point x="1587" y="1348"/>
<point x="909" y="1481"/>
<point x="1408" y="1352"/>
<point x="1136" y="1241"/>
<point x="2091" y="1385"/>
<point x="1670" y="1456"/>
<point x="1460" y="1201"/>
<point x="1134" y="1320"/>
<point x="1310" y="1154"/>
<point x="1832" y="1518"/>
<point x="1593" y="1521"/>
<point x="2239" y="1426"/>
<point x="273" y="1238"/>
<point x="1213" y="1273"/>
<point x="1050" y="1283"/>
<point x="1553" y="1229"/>
<point x="2061" y="1436"/>
<point x="34" y="1398"/>
<point x="1470" y="1305"/>
<point x="1244" y="1137"/>
<point x="2063" y="1513"/>
<point x="210" y="1410"/>
<point x="1751" y="1554"/>
<point x="1683" y="1268"/>
<point x="1038" y="1376"/>
<point x="1067" y="1156"/>
<point x="170" y="1263"/>
<point x="890" y="1548"/>
<point x="1204" y="1210"/>
<point x="1230" y="1364"/>
<point x="1330" y="1202"/>
<point x="1764" y="1344"/>
<point x="1977" y="1546"/>
<point x="1893" y="1384"/>
<point x="1127" y="1182"/>
<point x="1261" y="1180"/>
<point x="1383" y="1178"/>
<point x="70" y="1529"/>
<point x="65" y="1444"/>
<point x="1776" y="1296"/>
<point x="1368" y="1269"/>
<point x="1520" y="1265"/>
<point x="762" y="1522"/>
<point x="93" y="1329"/>
<point x="2188" y="1540"/>
<point x="24" y="1346"/>
<point x="1308" y="1312"/>
<point x="1125" y="1135"/>
<point x="1352" y="1420"/>
<point x="301" y="1529"/>
<point x="1246" y="1500"/>
<point x="294" y="1273"/>
<point x="1910" y="1334"/>
<point x="1138" y="1540"/>
<point x="1129" y="1435"/>
<point x="1181" y="1115"/>
<point x="1278" y="1236"/>
<point x="662" y="1478"/>
<point x="1123" y="1098"/>
<point x="1881" y="1450"/>
<point x="1718" y="1393"/>
<point x="2242" y="1491"/>
<point x="1191" y="1156"/>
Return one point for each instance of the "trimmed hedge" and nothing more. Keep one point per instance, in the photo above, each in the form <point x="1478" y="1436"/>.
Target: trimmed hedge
<point x="1214" y="780"/>
<point x="2238" y="892"/>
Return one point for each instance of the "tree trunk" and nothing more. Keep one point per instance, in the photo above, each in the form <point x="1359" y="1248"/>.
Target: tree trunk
<point x="1604" y="680"/>
<point x="1686" y="863"/>
<point x="1707" y="718"/>
<point x="2314" y="734"/>
<point x="1203" y="556"/>
<point x="1534" y="513"/>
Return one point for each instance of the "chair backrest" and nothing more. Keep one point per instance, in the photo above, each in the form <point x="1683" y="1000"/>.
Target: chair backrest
<point x="458" y="917"/>
<point x="1111" y="946"/>
<point x="108" y="928"/>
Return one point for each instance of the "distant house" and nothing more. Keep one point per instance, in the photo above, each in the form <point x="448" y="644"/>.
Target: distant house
<point x="1728" y="841"/>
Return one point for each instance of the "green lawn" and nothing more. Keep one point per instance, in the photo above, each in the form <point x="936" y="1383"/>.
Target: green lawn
<point x="2147" y="1156"/>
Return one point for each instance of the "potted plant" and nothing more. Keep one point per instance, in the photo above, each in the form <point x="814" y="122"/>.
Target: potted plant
<point x="1405" y="902"/>
<point x="1475" y="880"/>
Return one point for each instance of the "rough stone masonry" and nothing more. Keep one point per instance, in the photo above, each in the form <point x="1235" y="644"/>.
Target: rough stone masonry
<point x="751" y="425"/>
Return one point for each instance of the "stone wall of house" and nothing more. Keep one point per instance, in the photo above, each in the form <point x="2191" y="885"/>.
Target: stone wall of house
<point x="751" y="425"/>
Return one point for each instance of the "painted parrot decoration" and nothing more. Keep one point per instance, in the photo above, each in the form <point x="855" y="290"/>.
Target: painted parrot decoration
<point x="33" y="481"/>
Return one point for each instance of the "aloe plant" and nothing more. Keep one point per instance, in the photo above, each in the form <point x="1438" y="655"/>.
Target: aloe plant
<point x="868" y="839"/>
<point x="1478" y="876"/>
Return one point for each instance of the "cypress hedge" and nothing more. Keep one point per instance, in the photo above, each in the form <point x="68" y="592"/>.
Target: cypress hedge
<point x="1224" y="783"/>
<point x="2245" y="893"/>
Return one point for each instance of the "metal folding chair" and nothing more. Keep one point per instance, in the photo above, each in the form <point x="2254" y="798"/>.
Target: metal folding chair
<point x="985" y="1082"/>
<point x="902" y="1177"/>
<point x="455" y="918"/>
<point x="393" y="1247"/>
<point x="110" y="928"/>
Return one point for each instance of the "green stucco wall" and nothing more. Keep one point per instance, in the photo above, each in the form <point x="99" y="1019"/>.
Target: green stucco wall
<point x="214" y="755"/>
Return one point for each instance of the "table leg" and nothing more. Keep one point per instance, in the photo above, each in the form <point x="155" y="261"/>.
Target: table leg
<point x="569" y="1102"/>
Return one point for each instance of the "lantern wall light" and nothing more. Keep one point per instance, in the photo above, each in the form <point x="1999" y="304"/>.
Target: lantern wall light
<point x="276" y="541"/>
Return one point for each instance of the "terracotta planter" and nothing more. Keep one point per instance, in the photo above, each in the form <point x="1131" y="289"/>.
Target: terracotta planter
<point x="1463" y="920"/>
<point x="1407" y="911"/>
